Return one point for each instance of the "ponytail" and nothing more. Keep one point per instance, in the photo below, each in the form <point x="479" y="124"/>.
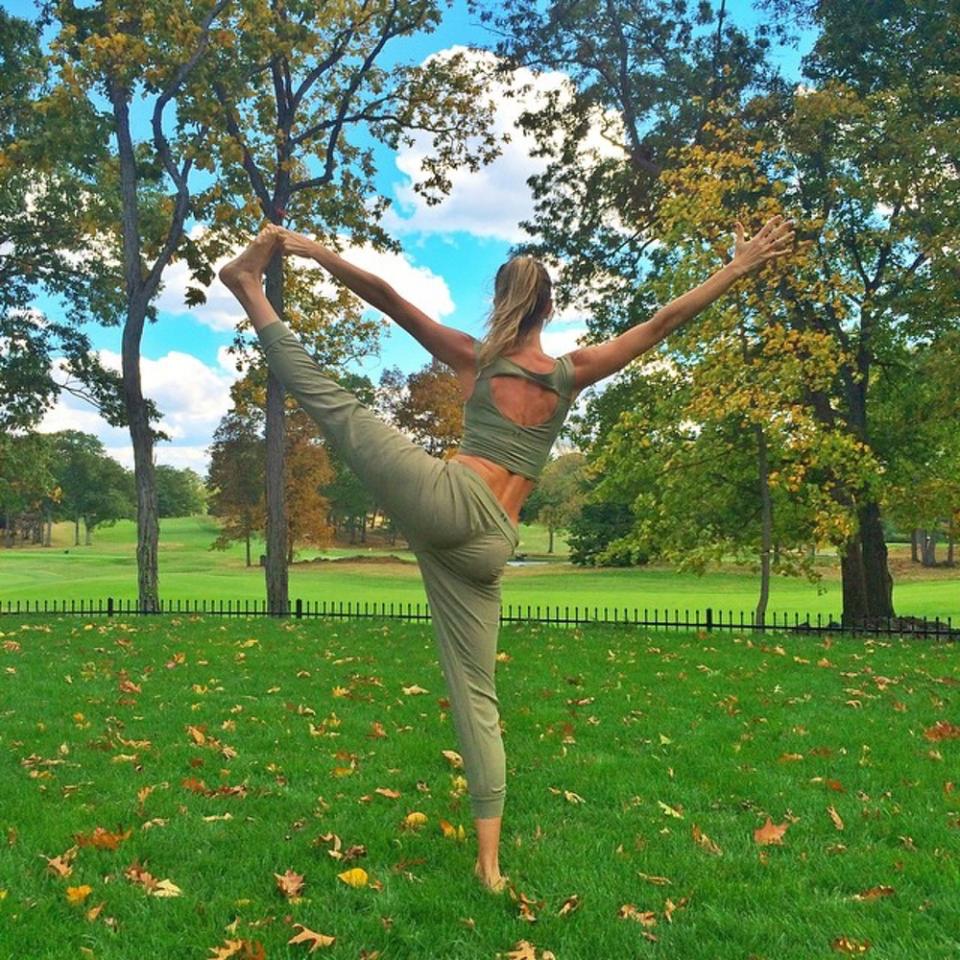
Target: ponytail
<point x="522" y="290"/>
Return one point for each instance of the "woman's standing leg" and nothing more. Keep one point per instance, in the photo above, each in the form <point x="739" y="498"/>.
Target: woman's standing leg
<point x="463" y="588"/>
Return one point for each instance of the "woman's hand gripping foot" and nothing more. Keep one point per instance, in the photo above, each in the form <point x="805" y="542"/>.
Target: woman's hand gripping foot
<point x="248" y="267"/>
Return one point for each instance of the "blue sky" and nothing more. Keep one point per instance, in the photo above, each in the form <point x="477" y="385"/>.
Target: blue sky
<point x="451" y="253"/>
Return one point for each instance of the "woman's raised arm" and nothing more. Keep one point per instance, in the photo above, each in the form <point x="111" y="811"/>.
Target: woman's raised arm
<point x="449" y="346"/>
<point x="600" y="360"/>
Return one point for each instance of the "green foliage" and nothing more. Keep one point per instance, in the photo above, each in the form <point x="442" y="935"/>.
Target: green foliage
<point x="180" y="492"/>
<point x="93" y="486"/>
<point x="598" y="526"/>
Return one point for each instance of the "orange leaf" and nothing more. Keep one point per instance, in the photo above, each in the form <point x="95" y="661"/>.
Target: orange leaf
<point x="874" y="893"/>
<point x="770" y="833"/>
<point x="846" y="945"/>
<point x="309" y="936"/>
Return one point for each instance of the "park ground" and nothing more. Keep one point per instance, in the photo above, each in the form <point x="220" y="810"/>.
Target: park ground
<point x="174" y="787"/>
<point x="190" y="571"/>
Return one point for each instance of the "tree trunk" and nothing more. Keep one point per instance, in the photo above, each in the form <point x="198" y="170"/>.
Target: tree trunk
<point x="86" y="528"/>
<point x="766" y="523"/>
<point x="48" y="541"/>
<point x="928" y="547"/>
<point x="363" y="528"/>
<point x="951" y="539"/>
<point x="248" y="548"/>
<point x="867" y="584"/>
<point x="76" y="531"/>
<point x="137" y="297"/>
<point x="914" y="537"/>
<point x="278" y="602"/>
<point x="550" y="530"/>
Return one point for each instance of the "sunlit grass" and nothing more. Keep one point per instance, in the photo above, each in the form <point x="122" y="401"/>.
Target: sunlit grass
<point x="189" y="570"/>
<point x="620" y="744"/>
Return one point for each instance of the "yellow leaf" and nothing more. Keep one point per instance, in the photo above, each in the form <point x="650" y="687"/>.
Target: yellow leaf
<point x="79" y="894"/>
<point x="415" y="819"/>
<point x="357" y="877"/>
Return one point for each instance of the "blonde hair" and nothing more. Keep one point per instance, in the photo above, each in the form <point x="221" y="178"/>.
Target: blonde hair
<point x="521" y="292"/>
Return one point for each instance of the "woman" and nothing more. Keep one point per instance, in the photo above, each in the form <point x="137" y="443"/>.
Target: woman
<point x="461" y="516"/>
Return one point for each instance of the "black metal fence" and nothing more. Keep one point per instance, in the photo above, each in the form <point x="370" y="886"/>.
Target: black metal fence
<point x="708" y="619"/>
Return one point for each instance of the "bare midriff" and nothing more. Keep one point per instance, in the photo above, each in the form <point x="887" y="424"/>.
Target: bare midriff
<point x="510" y="489"/>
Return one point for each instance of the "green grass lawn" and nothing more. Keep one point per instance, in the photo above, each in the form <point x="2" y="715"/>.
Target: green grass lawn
<point x="189" y="570"/>
<point x="219" y="755"/>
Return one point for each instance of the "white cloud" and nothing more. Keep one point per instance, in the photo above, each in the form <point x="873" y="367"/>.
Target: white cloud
<point x="558" y="342"/>
<point x="222" y="312"/>
<point x="191" y="395"/>
<point x="493" y="201"/>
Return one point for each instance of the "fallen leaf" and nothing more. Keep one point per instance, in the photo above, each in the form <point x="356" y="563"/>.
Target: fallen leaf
<point x="310" y="936"/>
<point x="357" y="877"/>
<point x="289" y="883"/>
<point x="770" y="833"/>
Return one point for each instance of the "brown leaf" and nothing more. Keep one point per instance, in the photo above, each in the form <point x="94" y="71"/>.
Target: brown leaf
<point x="702" y="840"/>
<point x="569" y="905"/>
<point x="102" y="839"/>
<point x="874" y="893"/>
<point x="524" y="950"/>
<point x="60" y="866"/>
<point x="387" y="792"/>
<point x="942" y="730"/>
<point x="241" y="949"/>
<point x="456" y="761"/>
<point x="770" y="833"/>
<point x="835" y="817"/>
<point x="289" y="883"/>
<point x="629" y="911"/>
<point x="310" y="936"/>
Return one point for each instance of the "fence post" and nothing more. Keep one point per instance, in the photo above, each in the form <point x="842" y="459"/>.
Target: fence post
<point x="109" y="606"/>
<point x="709" y="619"/>
<point x="299" y="609"/>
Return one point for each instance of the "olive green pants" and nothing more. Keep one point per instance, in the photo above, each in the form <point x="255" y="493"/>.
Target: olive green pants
<point x="456" y="528"/>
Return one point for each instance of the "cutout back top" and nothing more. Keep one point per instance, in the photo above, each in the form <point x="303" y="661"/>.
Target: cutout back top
<point x="489" y="433"/>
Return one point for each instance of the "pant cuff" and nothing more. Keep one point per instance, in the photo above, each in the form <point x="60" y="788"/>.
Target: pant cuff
<point x="487" y="808"/>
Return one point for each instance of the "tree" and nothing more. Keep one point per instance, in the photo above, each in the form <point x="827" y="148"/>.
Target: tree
<point x="915" y="418"/>
<point x="93" y="487"/>
<point x="860" y="159"/>
<point x="429" y="408"/>
<point x="349" y="500"/>
<point x="864" y="157"/>
<point x="26" y="482"/>
<point x="595" y="528"/>
<point x="307" y="472"/>
<point x="558" y="497"/>
<point x="235" y="480"/>
<point x="43" y="211"/>
<point x="180" y="493"/>
<point x="292" y="86"/>
<point x="643" y="75"/>
<point x="118" y="50"/>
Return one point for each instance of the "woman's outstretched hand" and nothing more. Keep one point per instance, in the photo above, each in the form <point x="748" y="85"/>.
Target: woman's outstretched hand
<point x="774" y="239"/>
<point x="296" y="243"/>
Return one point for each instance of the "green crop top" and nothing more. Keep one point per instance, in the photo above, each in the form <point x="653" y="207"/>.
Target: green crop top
<point x="488" y="433"/>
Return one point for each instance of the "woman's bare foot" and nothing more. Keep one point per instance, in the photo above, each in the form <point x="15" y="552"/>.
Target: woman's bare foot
<point x="249" y="266"/>
<point x="496" y="884"/>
